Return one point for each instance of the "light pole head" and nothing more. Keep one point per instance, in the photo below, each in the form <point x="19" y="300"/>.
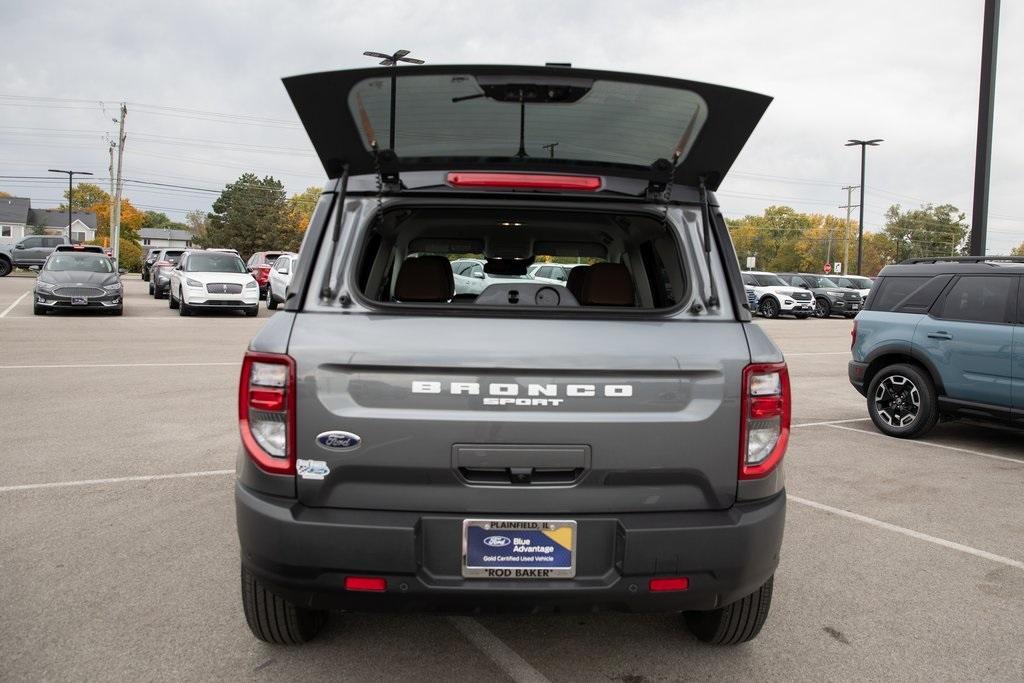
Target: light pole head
<point x="869" y="143"/>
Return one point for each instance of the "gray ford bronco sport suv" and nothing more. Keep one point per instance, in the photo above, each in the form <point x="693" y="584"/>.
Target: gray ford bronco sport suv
<point x="612" y="445"/>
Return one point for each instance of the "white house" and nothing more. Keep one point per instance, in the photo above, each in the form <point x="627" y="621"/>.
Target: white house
<point x="165" y="237"/>
<point x="18" y="219"/>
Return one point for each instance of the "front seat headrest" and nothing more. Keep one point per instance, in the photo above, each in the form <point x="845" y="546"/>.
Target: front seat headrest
<point x="607" y="284"/>
<point x="575" y="281"/>
<point x="426" y="279"/>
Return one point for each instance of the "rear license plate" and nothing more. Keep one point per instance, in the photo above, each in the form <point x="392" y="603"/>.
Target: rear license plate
<point x="854" y="307"/>
<point x="79" y="301"/>
<point x="518" y="549"/>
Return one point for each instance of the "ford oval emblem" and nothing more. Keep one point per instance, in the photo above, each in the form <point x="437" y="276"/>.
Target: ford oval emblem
<point x="338" y="441"/>
<point x="497" y="541"/>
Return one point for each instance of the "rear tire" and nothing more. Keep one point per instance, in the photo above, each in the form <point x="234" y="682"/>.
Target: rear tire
<point x="152" y="289"/>
<point x="271" y="301"/>
<point x="273" y="619"/>
<point x="737" y="622"/>
<point x="171" y="303"/>
<point x="252" y="311"/>
<point x="902" y="401"/>
<point x="5" y="267"/>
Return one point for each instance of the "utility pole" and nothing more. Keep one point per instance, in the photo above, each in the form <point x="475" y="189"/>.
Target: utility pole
<point x="71" y="175"/>
<point x="110" y="178"/>
<point x="115" y="218"/>
<point x="986" y="104"/>
<point x="849" y="205"/>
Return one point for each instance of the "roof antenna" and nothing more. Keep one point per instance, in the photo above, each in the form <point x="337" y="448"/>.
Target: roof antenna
<point x="392" y="61"/>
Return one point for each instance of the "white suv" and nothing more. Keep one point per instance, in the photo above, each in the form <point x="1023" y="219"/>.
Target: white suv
<point x="213" y="279"/>
<point x="775" y="297"/>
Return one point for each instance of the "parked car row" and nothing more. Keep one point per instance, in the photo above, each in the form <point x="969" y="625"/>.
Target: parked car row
<point x="805" y="294"/>
<point x="193" y="279"/>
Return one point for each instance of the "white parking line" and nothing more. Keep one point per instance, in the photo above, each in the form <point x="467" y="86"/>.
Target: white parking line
<point x="829" y="423"/>
<point x="931" y="444"/>
<point x="507" y="659"/>
<point x="118" y="365"/>
<point x="959" y="547"/>
<point x="115" y="480"/>
<point x="16" y="302"/>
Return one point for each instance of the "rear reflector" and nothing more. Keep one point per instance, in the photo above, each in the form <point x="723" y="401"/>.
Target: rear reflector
<point x="526" y="181"/>
<point x="365" y="583"/>
<point x="678" y="583"/>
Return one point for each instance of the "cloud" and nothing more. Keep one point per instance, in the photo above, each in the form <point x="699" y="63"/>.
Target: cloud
<point x="906" y="72"/>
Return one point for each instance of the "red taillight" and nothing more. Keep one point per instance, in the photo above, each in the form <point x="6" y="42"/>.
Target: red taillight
<point x="365" y="583"/>
<point x="266" y="410"/>
<point x="162" y="264"/>
<point x="764" y="431"/>
<point x="678" y="583"/>
<point x="853" y="335"/>
<point x="526" y="181"/>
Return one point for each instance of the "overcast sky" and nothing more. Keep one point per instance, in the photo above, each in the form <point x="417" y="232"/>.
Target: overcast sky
<point x="906" y="71"/>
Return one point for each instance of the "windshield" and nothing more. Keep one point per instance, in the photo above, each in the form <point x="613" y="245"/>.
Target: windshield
<point x="89" y="263"/>
<point x="857" y="282"/>
<point x="769" y="280"/>
<point x="214" y="262"/>
<point x="566" y="118"/>
<point x="816" y="281"/>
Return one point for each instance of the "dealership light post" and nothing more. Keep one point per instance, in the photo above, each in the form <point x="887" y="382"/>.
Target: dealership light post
<point x="71" y="176"/>
<point x="986" y="104"/>
<point x="864" y="144"/>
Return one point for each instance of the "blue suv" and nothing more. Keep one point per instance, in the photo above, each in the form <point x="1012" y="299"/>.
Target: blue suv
<point x="942" y="338"/>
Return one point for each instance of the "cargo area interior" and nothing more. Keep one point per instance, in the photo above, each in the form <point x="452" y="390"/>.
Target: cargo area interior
<point x="611" y="261"/>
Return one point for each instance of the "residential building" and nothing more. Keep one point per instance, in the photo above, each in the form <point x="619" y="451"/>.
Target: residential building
<point x="165" y="237"/>
<point x="18" y="219"/>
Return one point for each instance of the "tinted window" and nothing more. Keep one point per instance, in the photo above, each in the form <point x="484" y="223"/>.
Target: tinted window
<point x="749" y="280"/>
<point x="818" y="282"/>
<point x="214" y="262"/>
<point x="893" y="290"/>
<point x="769" y="280"/>
<point x="32" y="242"/>
<point x="979" y="298"/>
<point x="52" y="241"/>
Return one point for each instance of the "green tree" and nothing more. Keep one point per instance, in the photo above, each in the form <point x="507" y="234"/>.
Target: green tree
<point x="773" y="238"/>
<point x="84" y="196"/>
<point x="250" y="215"/>
<point x="929" y="231"/>
<point x="160" y="221"/>
<point x="196" y="222"/>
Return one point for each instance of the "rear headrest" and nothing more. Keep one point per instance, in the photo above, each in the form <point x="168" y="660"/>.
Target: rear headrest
<point x="607" y="284"/>
<point x="425" y="279"/>
<point x="575" y="282"/>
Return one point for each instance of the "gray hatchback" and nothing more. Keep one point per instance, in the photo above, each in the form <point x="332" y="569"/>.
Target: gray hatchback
<point x="612" y="445"/>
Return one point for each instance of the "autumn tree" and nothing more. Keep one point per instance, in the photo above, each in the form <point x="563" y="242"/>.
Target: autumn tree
<point x="196" y="222"/>
<point x="250" y="215"/>
<point x="84" y="196"/>
<point x="772" y="237"/>
<point x="1018" y="250"/>
<point x="929" y="231"/>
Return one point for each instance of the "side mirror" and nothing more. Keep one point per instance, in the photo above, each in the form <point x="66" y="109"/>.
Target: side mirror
<point x="19" y="245"/>
<point x="478" y="275"/>
<point x="122" y="271"/>
<point x="35" y="268"/>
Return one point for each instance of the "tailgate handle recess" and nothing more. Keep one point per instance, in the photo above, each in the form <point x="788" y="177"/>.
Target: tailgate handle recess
<point x="520" y="465"/>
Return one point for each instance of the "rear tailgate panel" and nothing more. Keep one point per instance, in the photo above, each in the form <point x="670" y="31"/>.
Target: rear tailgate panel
<point x="660" y="430"/>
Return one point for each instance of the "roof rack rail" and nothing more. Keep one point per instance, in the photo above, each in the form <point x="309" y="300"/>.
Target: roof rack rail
<point x="962" y="259"/>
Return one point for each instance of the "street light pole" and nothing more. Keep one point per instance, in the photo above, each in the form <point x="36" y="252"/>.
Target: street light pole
<point x="864" y="144"/>
<point x="986" y="104"/>
<point x="71" y="175"/>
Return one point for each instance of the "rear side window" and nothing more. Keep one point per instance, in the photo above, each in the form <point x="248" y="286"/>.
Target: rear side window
<point x="891" y="292"/>
<point x="980" y="298"/>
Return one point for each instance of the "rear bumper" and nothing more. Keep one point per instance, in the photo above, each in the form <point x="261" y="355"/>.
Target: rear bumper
<point x="856" y="371"/>
<point x="305" y="554"/>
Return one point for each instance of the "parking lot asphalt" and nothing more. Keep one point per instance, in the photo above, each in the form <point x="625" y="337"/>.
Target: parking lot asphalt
<point x="902" y="560"/>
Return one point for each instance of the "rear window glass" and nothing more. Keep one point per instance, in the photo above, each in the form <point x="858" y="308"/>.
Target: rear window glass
<point x="907" y="294"/>
<point x="979" y="298"/>
<point x="479" y="257"/>
<point x="560" y="117"/>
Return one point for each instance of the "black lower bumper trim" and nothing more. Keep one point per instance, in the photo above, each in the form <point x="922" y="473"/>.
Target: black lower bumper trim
<point x="305" y="554"/>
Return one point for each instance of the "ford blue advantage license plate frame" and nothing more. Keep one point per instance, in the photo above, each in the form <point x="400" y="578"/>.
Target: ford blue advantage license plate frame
<point x="518" y="548"/>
